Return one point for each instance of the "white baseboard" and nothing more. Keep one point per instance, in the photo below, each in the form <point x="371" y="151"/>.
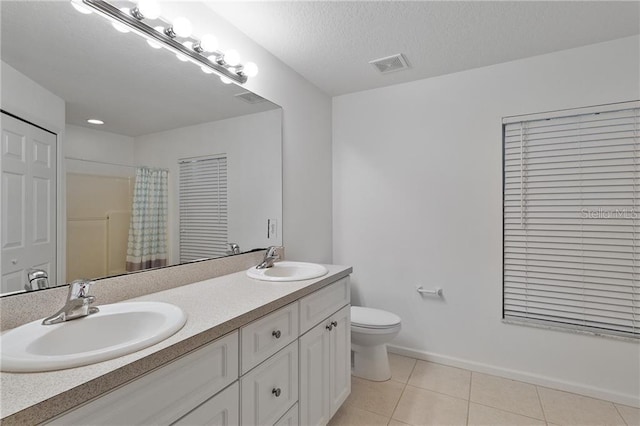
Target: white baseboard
<point x="578" y="388"/>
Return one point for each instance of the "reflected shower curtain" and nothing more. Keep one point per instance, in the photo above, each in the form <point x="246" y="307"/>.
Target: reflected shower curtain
<point x="147" y="245"/>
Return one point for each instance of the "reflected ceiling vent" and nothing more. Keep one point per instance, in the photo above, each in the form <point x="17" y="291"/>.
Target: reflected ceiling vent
<point x="250" y="98"/>
<point x="390" y="63"/>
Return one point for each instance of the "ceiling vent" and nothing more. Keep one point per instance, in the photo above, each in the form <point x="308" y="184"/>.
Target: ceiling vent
<point x="250" y="98"/>
<point x="390" y="63"/>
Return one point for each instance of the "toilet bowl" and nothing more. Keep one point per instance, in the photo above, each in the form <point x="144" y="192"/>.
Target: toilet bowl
<point x="371" y="330"/>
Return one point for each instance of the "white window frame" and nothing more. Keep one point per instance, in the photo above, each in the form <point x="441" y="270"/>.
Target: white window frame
<point x="566" y="263"/>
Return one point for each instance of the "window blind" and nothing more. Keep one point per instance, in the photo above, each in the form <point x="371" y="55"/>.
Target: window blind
<point x="203" y="207"/>
<point x="571" y="220"/>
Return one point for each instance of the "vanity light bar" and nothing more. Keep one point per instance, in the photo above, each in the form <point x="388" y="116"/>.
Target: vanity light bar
<point x="218" y="66"/>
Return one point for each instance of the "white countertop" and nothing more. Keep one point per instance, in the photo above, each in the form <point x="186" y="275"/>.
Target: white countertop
<point x="214" y="307"/>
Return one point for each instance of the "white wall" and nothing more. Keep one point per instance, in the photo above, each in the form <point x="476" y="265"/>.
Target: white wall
<point x="306" y="136"/>
<point x="417" y="201"/>
<point x="254" y="150"/>
<point x="98" y="147"/>
<point x="26" y="99"/>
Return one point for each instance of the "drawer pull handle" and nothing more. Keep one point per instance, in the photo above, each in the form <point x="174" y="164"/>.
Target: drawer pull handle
<point x="276" y="334"/>
<point x="329" y="327"/>
<point x="276" y="392"/>
<point x="334" y="323"/>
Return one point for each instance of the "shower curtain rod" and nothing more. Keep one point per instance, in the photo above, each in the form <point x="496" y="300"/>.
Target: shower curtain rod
<point x="113" y="164"/>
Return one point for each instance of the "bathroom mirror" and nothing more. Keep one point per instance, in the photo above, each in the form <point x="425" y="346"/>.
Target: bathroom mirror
<point x="159" y="113"/>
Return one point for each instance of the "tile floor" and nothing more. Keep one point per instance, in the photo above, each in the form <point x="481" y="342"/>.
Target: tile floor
<point x="425" y="393"/>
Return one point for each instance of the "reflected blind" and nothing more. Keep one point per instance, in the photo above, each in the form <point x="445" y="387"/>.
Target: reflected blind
<point x="203" y="207"/>
<point x="570" y="218"/>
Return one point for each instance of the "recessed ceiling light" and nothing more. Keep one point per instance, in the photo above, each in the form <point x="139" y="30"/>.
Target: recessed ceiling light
<point x="95" y="121"/>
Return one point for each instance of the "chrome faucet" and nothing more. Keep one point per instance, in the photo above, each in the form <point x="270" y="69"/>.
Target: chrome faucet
<point x="269" y="258"/>
<point x="37" y="279"/>
<point x="234" y="248"/>
<point x="77" y="305"/>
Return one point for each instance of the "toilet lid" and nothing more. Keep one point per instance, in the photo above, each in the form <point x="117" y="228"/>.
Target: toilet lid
<point x="373" y="318"/>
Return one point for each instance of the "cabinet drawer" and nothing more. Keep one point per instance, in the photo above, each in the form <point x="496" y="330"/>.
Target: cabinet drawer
<point x="290" y="418"/>
<point x="324" y="302"/>
<point x="269" y="391"/>
<point x="167" y="393"/>
<point x="220" y="410"/>
<point x="266" y="336"/>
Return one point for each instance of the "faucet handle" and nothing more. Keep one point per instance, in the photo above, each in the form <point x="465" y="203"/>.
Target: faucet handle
<point x="272" y="251"/>
<point x="79" y="289"/>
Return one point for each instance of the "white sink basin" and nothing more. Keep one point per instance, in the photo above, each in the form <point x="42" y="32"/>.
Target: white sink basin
<point x="116" y="330"/>
<point x="288" y="271"/>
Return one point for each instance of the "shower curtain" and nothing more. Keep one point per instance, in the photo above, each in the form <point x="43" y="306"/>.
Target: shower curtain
<point x="147" y="244"/>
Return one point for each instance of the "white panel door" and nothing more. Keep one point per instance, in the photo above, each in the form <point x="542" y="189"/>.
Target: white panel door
<point x="28" y="232"/>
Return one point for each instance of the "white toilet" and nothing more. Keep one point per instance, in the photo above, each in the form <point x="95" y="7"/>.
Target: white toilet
<point x="371" y="330"/>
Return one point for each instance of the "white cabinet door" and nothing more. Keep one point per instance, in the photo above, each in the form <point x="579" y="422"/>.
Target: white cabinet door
<point x="325" y="368"/>
<point x="220" y="410"/>
<point x="269" y="390"/>
<point x="340" y="358"/>
<point x="290" y="418"/>
<point x="314" y="376"/>
<point x="28" y="191"/>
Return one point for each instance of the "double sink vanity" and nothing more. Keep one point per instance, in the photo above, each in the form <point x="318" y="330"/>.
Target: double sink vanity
<point x="250" y="347"/>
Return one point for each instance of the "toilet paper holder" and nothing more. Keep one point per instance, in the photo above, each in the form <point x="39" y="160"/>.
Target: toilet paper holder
<point x="435" y="291"/>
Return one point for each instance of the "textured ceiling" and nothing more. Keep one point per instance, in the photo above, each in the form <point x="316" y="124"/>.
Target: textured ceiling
<point x="116" y="77"/>
<point x="330" y="43"/>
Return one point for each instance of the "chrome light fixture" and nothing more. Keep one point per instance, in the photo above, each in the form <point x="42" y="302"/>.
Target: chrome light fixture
<point x="143" y="18"/>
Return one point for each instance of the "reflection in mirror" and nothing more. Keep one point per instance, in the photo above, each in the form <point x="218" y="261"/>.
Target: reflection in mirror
<point x="78" y="198"/>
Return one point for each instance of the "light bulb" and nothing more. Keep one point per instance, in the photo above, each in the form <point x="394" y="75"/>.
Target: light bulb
<point x="121" y="27"/>
<point x="80" y="7"/>
<point x="150" y="9"/>
<point x="95" y="121"/>
<point x="232" y="57"/>
<point x="250" y="69"/>
<point x="225" y="80"/>
<point x="154" y="43"/>
<point x="206" y="70"/>
<point x="209" y="43"/>
<point x="182" y="27"/>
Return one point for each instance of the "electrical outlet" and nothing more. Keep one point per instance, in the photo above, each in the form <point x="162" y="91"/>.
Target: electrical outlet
<point x="272" y="228"/>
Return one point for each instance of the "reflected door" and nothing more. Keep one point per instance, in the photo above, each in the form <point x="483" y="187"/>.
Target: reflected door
<point x="28" y="207"/>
